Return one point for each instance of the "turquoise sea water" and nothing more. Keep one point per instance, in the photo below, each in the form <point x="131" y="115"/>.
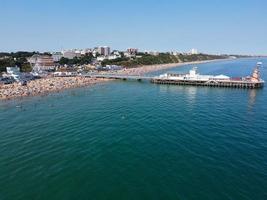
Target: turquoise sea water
<point x="136" y="140"/>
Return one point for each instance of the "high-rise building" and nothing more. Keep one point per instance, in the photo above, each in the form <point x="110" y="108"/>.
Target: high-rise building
<point x="105" y="50"/>
<point x="132" y="51"/>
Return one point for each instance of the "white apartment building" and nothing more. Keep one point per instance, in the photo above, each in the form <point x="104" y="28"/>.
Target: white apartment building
<point x="193" y="51"/>
<point x="70" y="54"/>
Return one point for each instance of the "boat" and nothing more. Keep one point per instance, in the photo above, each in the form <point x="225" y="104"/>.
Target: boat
<point x="194" y="78"/>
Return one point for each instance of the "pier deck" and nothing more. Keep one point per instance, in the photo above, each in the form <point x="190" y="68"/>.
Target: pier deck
<point x="230" y="83"/>
<point x="120" y="77"/>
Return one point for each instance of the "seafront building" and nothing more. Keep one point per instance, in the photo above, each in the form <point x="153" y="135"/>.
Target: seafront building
<point x="43" y="63"/>
<point x="13" y="72"/>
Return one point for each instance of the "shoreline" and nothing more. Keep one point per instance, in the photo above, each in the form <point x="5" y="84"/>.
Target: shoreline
<point x="49" y="85"/>
<point x="141" y="70"/>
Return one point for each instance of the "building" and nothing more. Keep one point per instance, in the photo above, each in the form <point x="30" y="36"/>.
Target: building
<point x="101" y="58"/>
<point x="193" y="51"/>
<point x="104" y="51"/>
<point x="117" y="53"/>
<point x="110" y="57"/>
<point x="153" y="53"/>
<point x="13" y="72"/>
<point x="127" y="55"/>
<point x="70" y="54"/>
<point x="132" y="51"/>
<point x="113" y="57"/>
<point x="57" y="56"/>
<point x="86" y="51"/>
<point x="33" y="59"/>
<point x="175" y="53"/>
<point x="44" y="63"/>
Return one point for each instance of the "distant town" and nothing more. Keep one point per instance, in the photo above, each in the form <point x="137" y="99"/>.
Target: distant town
<point x="89" y="59"/>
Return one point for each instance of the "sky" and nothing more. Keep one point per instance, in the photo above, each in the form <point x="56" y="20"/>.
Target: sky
<point x="211" y="26"/>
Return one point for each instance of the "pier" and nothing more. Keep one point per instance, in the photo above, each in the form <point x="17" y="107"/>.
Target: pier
<point x="120" y="77"/>
<point x="230" y="84"/>
<point x="211" y="83"/>
<point x="192" y="78"/>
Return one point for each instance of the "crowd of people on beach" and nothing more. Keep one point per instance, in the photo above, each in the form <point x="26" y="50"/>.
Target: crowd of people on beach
<point x="44" y="86"/>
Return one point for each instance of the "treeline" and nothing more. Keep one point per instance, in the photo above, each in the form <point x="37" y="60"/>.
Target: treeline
<point x="162" y="58"/>
<point x="16" y="59"/>
<point x="20" y="62"/>
<point x="18" y="54"/>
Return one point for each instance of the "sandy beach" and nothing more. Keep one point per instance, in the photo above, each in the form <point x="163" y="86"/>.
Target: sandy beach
<point x="141" y="70"/>
<point x="55" y="84"/>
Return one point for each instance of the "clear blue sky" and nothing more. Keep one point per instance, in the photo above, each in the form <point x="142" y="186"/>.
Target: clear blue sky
<point x="212" y="26"/>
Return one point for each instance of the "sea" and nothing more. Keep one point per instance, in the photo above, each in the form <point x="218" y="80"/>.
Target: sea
<point x="137" y="140"/>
